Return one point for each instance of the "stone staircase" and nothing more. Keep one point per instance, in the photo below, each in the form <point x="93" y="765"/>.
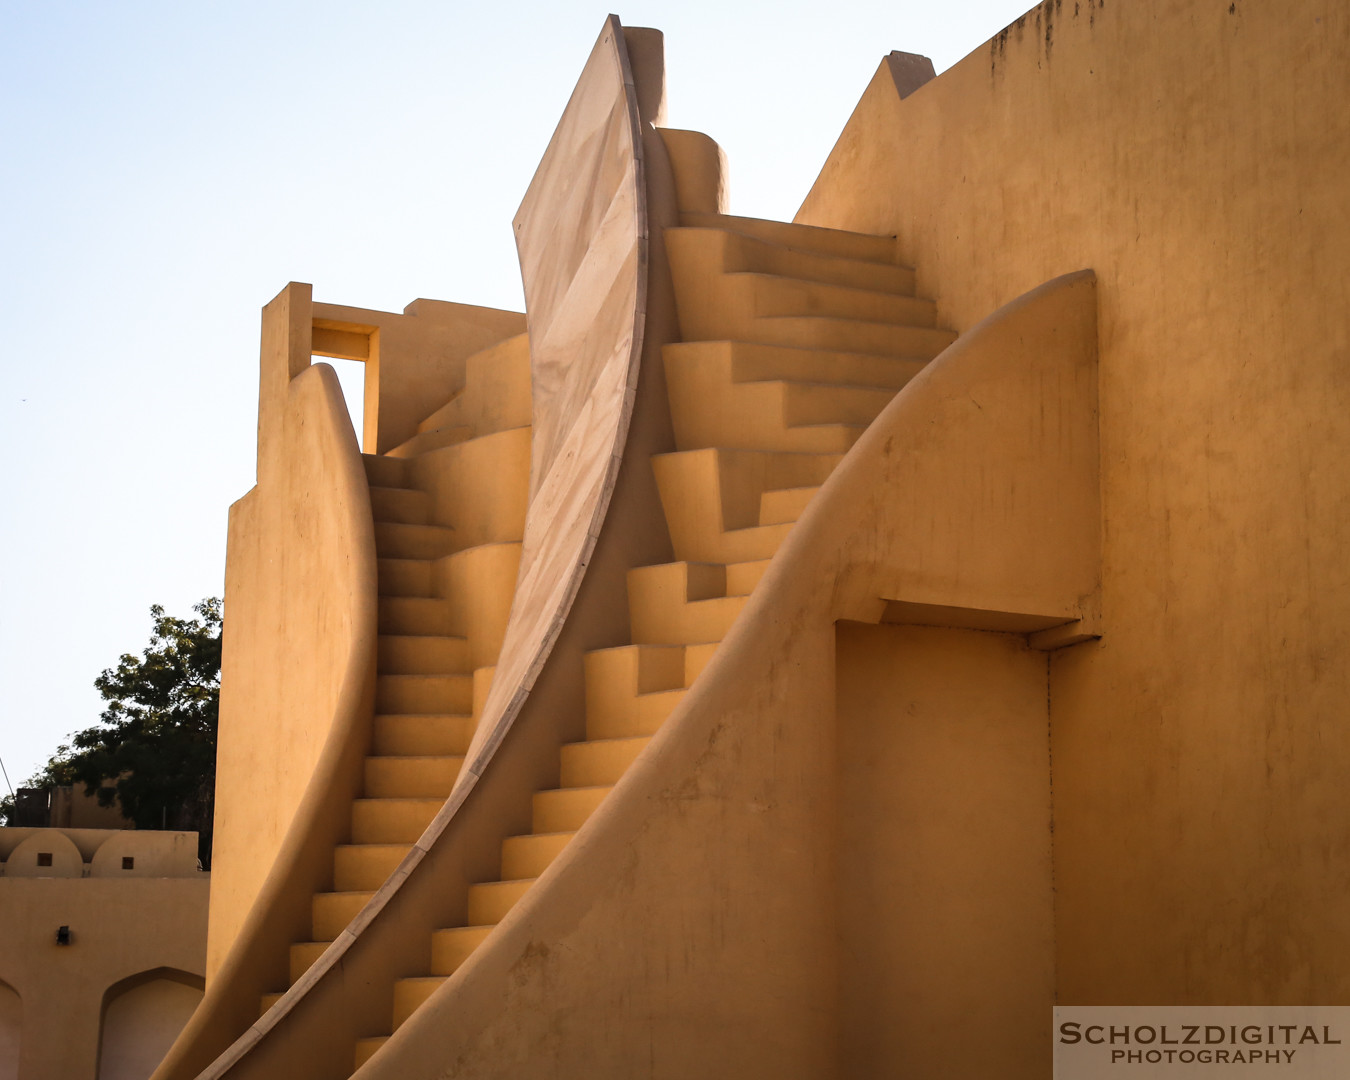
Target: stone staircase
<point x="794" y="339"/>
<point x="448" y="507"/>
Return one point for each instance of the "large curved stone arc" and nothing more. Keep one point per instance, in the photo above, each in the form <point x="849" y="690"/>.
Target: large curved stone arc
<point x="582" y="236"/>
<point x="581" y="233"/>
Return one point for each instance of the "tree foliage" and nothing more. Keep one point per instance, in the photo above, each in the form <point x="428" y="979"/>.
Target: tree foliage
<point x="157" y="737"/>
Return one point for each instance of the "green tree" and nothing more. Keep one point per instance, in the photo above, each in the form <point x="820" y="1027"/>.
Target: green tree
<point x="156" y="740"/>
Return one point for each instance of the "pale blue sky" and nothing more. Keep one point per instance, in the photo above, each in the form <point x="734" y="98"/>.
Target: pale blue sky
<point x="165" y="168"/>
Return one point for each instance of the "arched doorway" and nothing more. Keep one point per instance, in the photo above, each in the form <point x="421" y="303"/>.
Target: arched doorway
<point x="142" y="1016"/>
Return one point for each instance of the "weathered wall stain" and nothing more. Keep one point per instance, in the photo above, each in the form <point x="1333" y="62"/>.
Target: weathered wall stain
<point x="1046" y="15"/>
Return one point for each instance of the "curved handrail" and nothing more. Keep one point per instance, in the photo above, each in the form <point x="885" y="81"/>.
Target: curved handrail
<point x="282" y="907"/>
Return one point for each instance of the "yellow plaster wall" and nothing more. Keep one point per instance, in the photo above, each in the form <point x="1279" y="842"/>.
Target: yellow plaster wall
<point x="1194" y="153"/>
<point x="119" y="929"/>
<point x="945" y="896"/>
<point x="299" y="585"/>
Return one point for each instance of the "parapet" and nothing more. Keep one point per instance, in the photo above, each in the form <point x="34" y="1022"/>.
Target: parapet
<point x="97" y="853"/>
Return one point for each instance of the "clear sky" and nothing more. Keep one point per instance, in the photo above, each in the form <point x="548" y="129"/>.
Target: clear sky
<point x="165" y="168"/>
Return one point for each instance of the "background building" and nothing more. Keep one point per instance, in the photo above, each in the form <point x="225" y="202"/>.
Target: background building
<point x="103" y="950"/>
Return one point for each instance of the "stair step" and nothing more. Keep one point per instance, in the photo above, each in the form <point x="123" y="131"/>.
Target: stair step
<point x="707" y="409"/>
<point x="423" y="654"/>
<point x="268" y="1000"/>
<point x="628" y="670"/>
<point x="808" y="238"/>
<point x="761" y="427"/>
<point x="383" y="471"/>
<point x="409" y="994"/>
<point x="748" y="361"/>
<point x="697" y="657"/>
<point x="491" y="900"/>
<point x="404" y="577"/>
<point x="448" y="415"/>
<point x="754" y="543"/>
<point x="359" y="867"/>
<point x="415" y="616"/>
<point x="411" y="777"/>
<point x="724" y="485"/>
<point x="392" y="821"/>
<point x="529" y="856"/>
<point x="807" y="404"/>
<point x="565" y="809"/>
<point x="452" y="693"/>
<point x="396" y="541"/>
<point x="784" y="506"/>
<point x="365" y="1049"/>
<point x="739" y="251"/>
<point x="678" y="582"/>
<point x="334" y="910"/>
<point x="824" y="438"/>
<point x="628" y="687"/>
<point x="711" y="500"/>
<point x="450" y="948"/>
<point x="400" y="504"/>
<point x="775" y="295"/>
<point x="600" y="761"/>
<point x="496" y="395"/>
<point x="643" y="716"/>
<point x="659" y="614"/>
<point x="416" y="734"/>
<point x="670" y="584"/>
<point x="432" y="440"/>
<point x="692" y="624"/>
<point x="303" y="956"/>
<point x="742" y="577"/>
<point x="481" y="487"/>
<point x="852" y="335"/>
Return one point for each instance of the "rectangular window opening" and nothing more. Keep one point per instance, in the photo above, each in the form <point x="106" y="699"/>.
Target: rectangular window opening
<point x="128" y="862"/>
<point x="352" y="378"/>
<point x="44" y="858"/>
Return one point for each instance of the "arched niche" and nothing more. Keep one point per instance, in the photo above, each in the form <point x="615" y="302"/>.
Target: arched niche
<point x="11" y="1031"/>
<point x="142" y="1015"/>
<point x="47" y="853"/>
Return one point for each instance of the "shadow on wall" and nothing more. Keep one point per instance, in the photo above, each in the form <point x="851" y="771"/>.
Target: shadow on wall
<point x="11" y="1026"/>
<point x="142" y="1015"/>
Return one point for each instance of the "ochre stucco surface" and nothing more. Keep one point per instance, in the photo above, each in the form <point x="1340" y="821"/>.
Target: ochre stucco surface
<point x="944" y="825"/>
<point x="301" y="623"/>
<point x="964" y="634"/>
<point x="1194" y="155"/>
<point x="134" y="931"/>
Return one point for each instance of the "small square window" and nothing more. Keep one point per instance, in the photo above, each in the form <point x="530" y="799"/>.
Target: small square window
<point x="44" y="858"/>
<point x="128" y="862"/>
